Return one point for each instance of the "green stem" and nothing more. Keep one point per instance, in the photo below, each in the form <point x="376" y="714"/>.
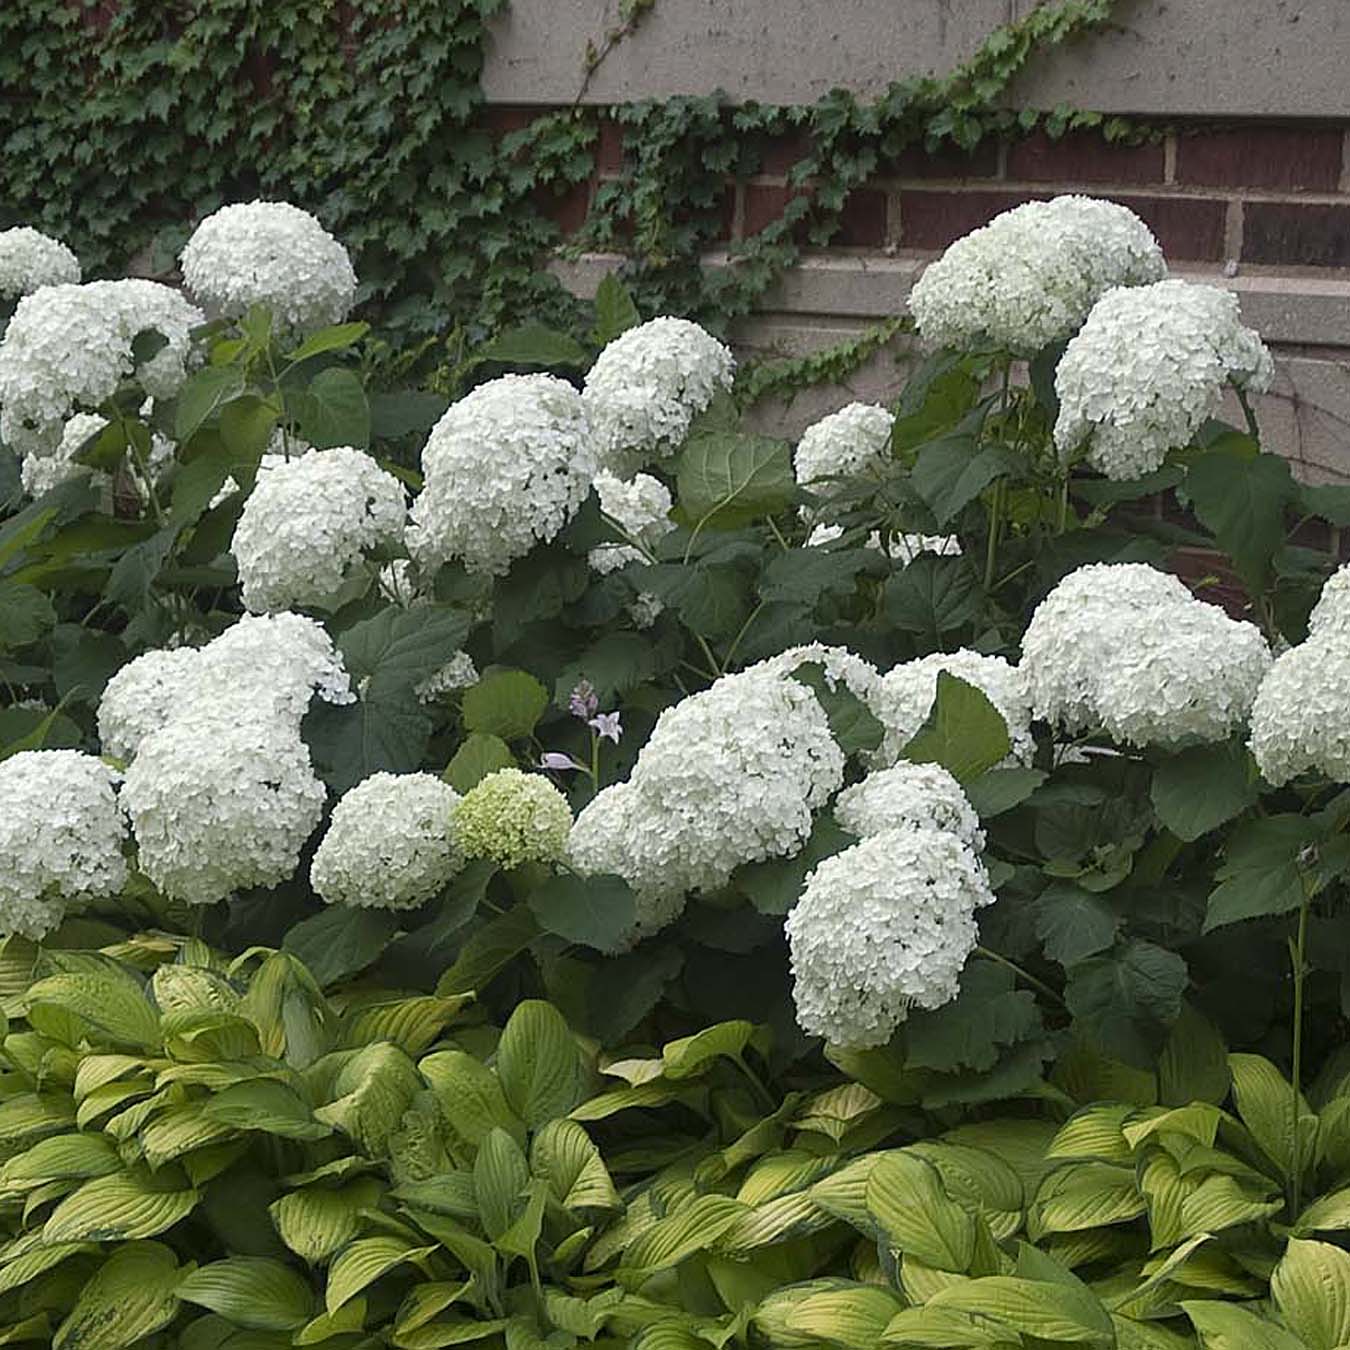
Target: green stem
<point x="1298" y="951"/>
<point x="745" y="628"/>
<point x="707" y="652"/>
<point x="991" y="548"/>
<point x="1064" y="503"/>
<point x="1039" y="985"/>
<point x="595" y="763"/>
<point x="777" y="534"/>
<point x="1253" y="426"/>
<point x="763" y="1093"/>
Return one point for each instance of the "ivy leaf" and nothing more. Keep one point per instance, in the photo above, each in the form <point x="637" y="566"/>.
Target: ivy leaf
<point x="1199" y="789"/>
<point x="933" y="596"/>
<point x="615" y="311"/>
<point x="1126" y="1001"/>
<point x="1073" y="923"/>
<point x="964" y="732"/>
<point x="1242" y="500"/>
<point x="535" y="344"/>
<point x="725" y="479"/>
<point x="333" y="410"/>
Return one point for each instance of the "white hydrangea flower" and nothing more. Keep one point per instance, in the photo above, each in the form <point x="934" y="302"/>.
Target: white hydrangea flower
<point x="1147" y="368"/>
<point x="309" y="521"/>
<point x="853" y="440"/>
<point x="901" y="548"/>
<point x="511" y="818"/>
<point x="61" y="834"/>
<point x="648" y="385"/>
<point x="730" y="775"/>
<point x="283" y="659"/>
<point x="44" y="467"/>
<point x="841" y="666"/>
<point x="221" y="798"/>
<point x="271" y="254"/>
<point x="641" y="507"/>
<point x="388" y="843"/>
<point x="909" y="796"/>
<point x="142" y="696"/>
<point x="30" y="260"/>
<point x="883" y="927"/>
<point x="1126" y="649"/>
<point x="506" y="468"/>
<point x="1030" y="276"/>
<point x="67" y="348"/>
<point x="459" y="672"/>
<point x="909" y="690"/>
<point x="282" y="447"/>
<point x="1300" y="719"/>
<point x="1330" y="616"/>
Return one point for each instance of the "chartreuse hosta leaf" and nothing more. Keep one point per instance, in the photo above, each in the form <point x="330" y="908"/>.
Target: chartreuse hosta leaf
<point x="539" y="1064"/>
<point x="1223" y="1326"/>
<point x="359" y="1264"/>
<point x="132" y="1295"/>
<point x="854" y="1318"/>
<point x="1311" y="1288"/>
<point x="564" y="1157"/>
<point x="122" y="1205"/>
<point x="906" y="1197"/>
<point x="1265" y="1101"/>
<point x="1051" y="1311"/>
<point x="253" y="1292"/>
<point x="317" y="1221"/>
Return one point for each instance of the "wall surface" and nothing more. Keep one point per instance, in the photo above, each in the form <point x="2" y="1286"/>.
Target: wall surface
<point x="1246" y="182"/>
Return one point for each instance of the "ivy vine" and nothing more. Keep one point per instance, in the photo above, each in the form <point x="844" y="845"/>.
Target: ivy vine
<point x="379" y="128"/>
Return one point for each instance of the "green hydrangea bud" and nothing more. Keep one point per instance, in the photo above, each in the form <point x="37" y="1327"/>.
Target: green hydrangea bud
<point x="512" y="818"/>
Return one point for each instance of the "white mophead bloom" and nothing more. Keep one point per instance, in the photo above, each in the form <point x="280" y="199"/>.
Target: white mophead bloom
<point x="388" y="844"/>
<point x="61" y="836"/>
<point x="1126" y="649"/>
<point x="44" y="468"/>
<point x="730" y="775"/>
<point x="505" y="469"/>
<point x="271" y="254"/>
<point x="883" y="927"/>
<point x="648" y="385"/>
<point x="30" y="260"/>
<point x="1330" y="616"/>
<point x="909" y="796"/>
<point x="1147" y="368"/>
<point x="67" y="348"/>
<point x="309" y="522"/>
<point x="283" y="660"/>
<point x="459" y="672"/>
<point x="853" y="440"/>
<point x="1030" y="276"/>
<point x="908" y="692"/>
<point x="142" y="696"/>
<point x="641" y="507"/>
<point x="902" y="548"/>
<point x="222" y="798"/>
<point x="1300" y="720"/>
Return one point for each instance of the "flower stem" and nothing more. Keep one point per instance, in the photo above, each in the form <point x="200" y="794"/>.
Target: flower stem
<point x="1298" y="952"/>
<point x="1039" y="985"/>
<point x="991" y="547"/>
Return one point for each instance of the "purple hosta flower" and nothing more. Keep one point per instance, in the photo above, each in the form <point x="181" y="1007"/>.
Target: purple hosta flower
<point x="554" y="759"/>
<point x="607" y="724"/>
<point x="583" y="703"/>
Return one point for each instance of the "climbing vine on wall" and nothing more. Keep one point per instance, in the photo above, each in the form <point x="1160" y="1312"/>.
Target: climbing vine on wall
<point x="122" y="122"/>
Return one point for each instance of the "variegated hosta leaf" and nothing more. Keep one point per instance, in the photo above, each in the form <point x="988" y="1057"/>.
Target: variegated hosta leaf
<point x="695" y="1226"/>
<point x="854" y="1318"/>
<point x="1085" y="1195"/>
<point x="1097" y="1133"/>
<point x="471" y="1096"/>
<point x="372" y="1091"/>
<point x="182" y="988"/>
<point x="906" y="1196"/>
<point x="251" y="1291"/>
<point x="113" y="1004"/>
<point x="410" y="1023"/>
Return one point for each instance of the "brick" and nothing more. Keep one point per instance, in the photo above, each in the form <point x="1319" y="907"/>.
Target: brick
<point x="609" y="151"/>
<point x="567" y="209"/>
<point x="933" y="219"/>
<point x="1287" y="232"/>
<point x="1084" y="157"/>
<point x="862" y="222"/>
<point x="764" y="204"/>
<point x="948" y="162"/>
<point x="501" y="118"/>
<point x="782" y="152"/>
<point x="1286" y="158"/>
<point x="1190" y="229"/>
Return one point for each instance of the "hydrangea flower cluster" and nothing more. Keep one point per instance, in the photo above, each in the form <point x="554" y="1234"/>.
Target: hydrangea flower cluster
<point x="459" y="672"/>
<point x="900" y="547"/>
<point x="68" y="347"/>
<point x="909" y="796"/>
<point x="512" y="818"/>
<point x="853" y="440"/>
<point x="640" y="506"/>
<point x="909" y="690"/>
<point x="730" y="775"/>
<point x="1147" y="368"/>
<point x="389" y="843"/>
<point x="43" y="469"/>
<point x="30" y="260"/>
<point x="61" y="836"/>
<point x="271" y="254"/>
<point x="648" y="385"/>
<point x="309" y="521"/>
<point x="506" y="468"/>
<point x="1126" y="649"/>
<point x="1030" y="276"/>
<point x="1330" y="616"/>
<point x="883" y="927"/>
<point x="220" y="791"/>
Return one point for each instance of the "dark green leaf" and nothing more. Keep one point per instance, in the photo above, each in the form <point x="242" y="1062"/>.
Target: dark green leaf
<point x="505" y="703"/>
<point x="201" y="397"/>
<point x="852" y="723"/>
<point x="488" y="949"/>
<point x="25" y="614"/>
<point x="615" y="311"/>
<point x="335" y="339"/>
<point x="534" y="344"/>
<point x="632" y="987"/>
<point x="803" y="575"/>
<point x="340" y="941"/>
<point x="135" y="571"/>
<point x="333" y="410"/>
<point x="398" y="648"/>
<point x="1126" y="1001"/>
<point x="774" y="887"/>
<point x="712" y="601"/>
<point x="933" y="596"/>
<point x="964" y="732"/>
<point x="597" y="911"/>
<point x="84" y="660"/>
<point x="1199" y="789"/>
<point x="246" y="426"/>
<point x="1041" y="370"/>
<point x="953" y="471"/>
<point x="380" y="732"/>
<point x="614" y="665"/>
<point x="1242" y="501"/>
<point x="1261" y="873"/>
<point x="988" y="1013"/>
<point x="725" y="479"/>
<point x="998" y="790"/>
<point x="1073" y="923"/>
<point x="393" y="416"/>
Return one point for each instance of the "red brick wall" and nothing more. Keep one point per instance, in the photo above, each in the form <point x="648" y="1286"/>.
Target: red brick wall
<point x="1275" y="194"/>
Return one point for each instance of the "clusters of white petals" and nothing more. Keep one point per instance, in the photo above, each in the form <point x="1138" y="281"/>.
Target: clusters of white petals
<point x="282" y="447"/>
<point x="1030" y="276"/>
<point x="67" y="348"/>
<point x="883" y="927"/>
<point x="388" y="844"/>
<point x="1147" y="368"/>
<point x="309" y="521"/>
<point x="898" y="547"/>
<point x="46" y="467"/>
<point x="1330" y="616"/>
<point x="140" y="698"/>
<point x="729" y="776"/>
<point x="30" y="260"/>
<point x="459" y="672"/>
<point x="909" y="796"/>
<point x="511" y="818"/>
<point x="61" y="838"/>
<point x="908" y="692"/>
<point x="1300" y="720"/>
<point x="839" y="666"/>
<point x="641" y="507"/>
<point x="648" y="385"/>
<point x="222" y="797"/>
<point x="505" y="468"/>
<point x="851" y="441"/>
<point x="1126" y="649"/>
<point x="271" y="254"/>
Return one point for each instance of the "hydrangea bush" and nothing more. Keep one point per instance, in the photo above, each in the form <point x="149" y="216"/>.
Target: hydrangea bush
<point x="908" y="741"/>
